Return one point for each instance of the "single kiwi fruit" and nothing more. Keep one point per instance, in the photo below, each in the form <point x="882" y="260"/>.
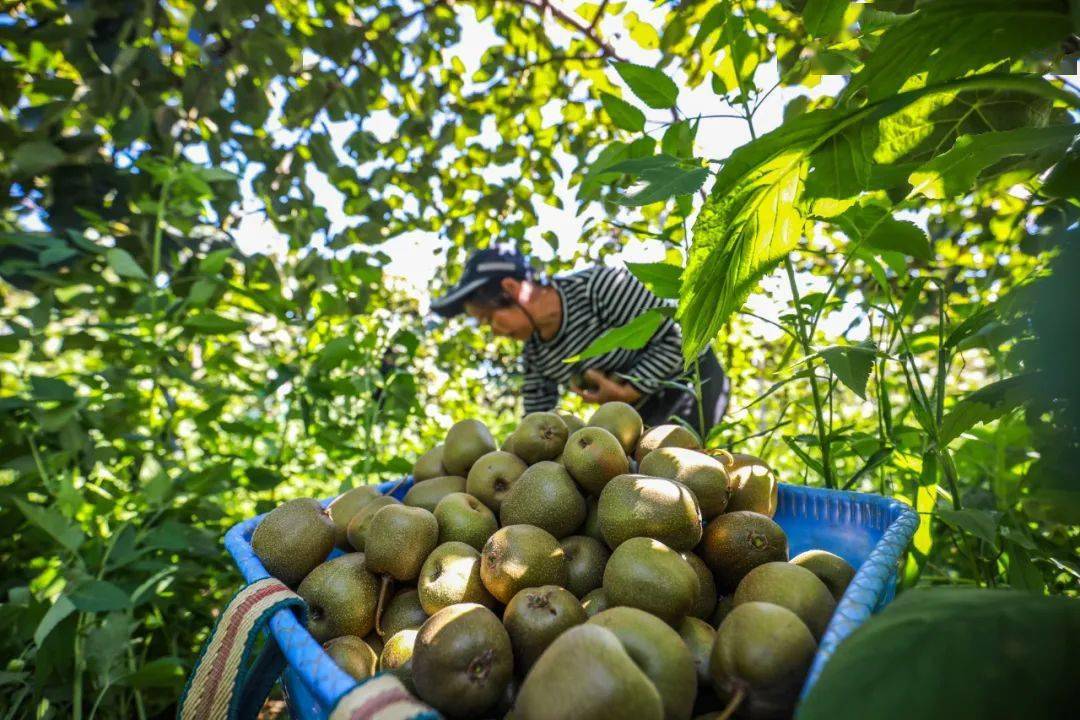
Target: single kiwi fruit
<point x="353" y="655"/>
<point x="706" y="597"/>
<point x="521" y="556"/>
<point x="427" y="493"/>
<point x="399" y="539"/>
<point x="429" y="465"/>
<point x="466" y="442"/>
<point x="534" y="617"/>
<point x="403" y="611"/>
<point x="760" y="659"/>
<point x="790" y="586"/>
<point x="753" y="484"/>
<point x="622" y="421"/>
<point x="586" y="558"/>
<point x="341" y="596"/>
<point x="593" y="456"/>
<point x="648" y="575"/>
<point x="699" y="637"/>
<point x="831" y="569"/>
<point x="573" y="422"/>
<point x="540" y="436"/>
<point x="663" y="436"/>
<point x="737" y="542"/>
<point x="462" y="661"/>
<point x="396" y="656"/>
<point x="356" y="532"/>
<point x="639" y="506"/>
<point x="293" y="539"/>
<point x="704" y="475"/>
<point x="463" y="518"/>
<point x="544" y="496"/>
<point x="491" y="477"/>
<point x="344" y="507"/>
<point x="450" y="576"/>
<point x="595" y="602"/>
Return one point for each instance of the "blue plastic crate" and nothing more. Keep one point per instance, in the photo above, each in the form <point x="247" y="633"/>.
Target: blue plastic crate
<point x="869" y="531"/>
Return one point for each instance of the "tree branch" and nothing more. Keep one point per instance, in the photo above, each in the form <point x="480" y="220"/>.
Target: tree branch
<point x="587" y="31"/>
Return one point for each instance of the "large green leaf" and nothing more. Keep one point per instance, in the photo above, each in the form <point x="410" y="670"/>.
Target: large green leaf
<point x="947" y="38"/>
<point x="874" y="227"/>
<point x="986" y="404"/>
<point x="754" y="216"/>
<point x="824" y="17"/>
<point x="1010" y="655"/>
<point x="623" y="113"/>
<point x="631" y="336"/>
<point x="652" y="86"/>
<point x="851" y="365"/>
<point x="955" y="172"/>
<point x="667" y="182"/>
<point x="662" y="279"/>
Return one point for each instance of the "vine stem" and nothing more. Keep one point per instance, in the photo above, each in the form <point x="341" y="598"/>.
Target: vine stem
<point x="804" y="341"/>
<point x="733" y="704"/>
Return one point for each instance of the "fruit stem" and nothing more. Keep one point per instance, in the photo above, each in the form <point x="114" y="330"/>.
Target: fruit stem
<point x="382" y="601"/>
<point x="733" y="704"/>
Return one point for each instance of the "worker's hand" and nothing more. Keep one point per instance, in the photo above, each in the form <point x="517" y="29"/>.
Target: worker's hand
<point x="607" y="389"/>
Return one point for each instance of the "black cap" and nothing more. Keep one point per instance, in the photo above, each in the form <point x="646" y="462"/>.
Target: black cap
<point x="482" y="267"/>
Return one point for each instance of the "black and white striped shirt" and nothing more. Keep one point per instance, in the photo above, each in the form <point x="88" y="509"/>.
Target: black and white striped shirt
<point x="593" y="302"/>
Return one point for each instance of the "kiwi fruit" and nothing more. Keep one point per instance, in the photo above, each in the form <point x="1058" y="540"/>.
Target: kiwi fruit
<point x="534" y="617"/>
<point x="753" y="484"/>
<point x="374" y="642"/>
<point x="540" y="436"/>
<point x="724" y="604"/>
<point x="491" y="477"/>
<point x="586" y="558"/>
<point x="639" y="506"/>
<point x="427" y="493"/>
<point x="399" y="540"/>
<point x="663" y="436"/>
<point x="357" y="529"/>
<point x="573" y="422"/>
<point x="705" y="602"/>
<point x="760" y="659"/>
<point x="521" y="556"/>
<point x="353" y="655"/>
<point x="622" y="421"/>
<point x="545" y="496"/>
<point x="402" y="612"/>
<point x="429" y="465"/>
<point x="790" y="586"/>
<point x="647" y="574"/>
<point x="466" y="442"/>
<point x="587" y="674"/>
<point x="591" y="526"/>
<point x="341" y="596"/>
<point x="595" y="602"/>
<point x="396" y="656"/>
<point x="831" y="569"/>
<point x="462" y="661"/>
<point x="592" y="457"/>
<point x="737" y="542"/>
<point x="463" y="518"/>
<point x="344" y="507"/>
<point x="699" y="637"/>
<point x="659" y="652"/>
<point x="704" y="475"/>
<point x="450" y="576"/>
<point x="293" y="539"/>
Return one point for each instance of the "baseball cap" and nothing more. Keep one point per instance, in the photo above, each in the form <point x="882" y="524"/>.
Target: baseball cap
<point x="481" y="267"/>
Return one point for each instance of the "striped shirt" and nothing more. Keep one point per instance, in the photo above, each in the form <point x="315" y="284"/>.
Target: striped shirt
<point x="593" y="302"/>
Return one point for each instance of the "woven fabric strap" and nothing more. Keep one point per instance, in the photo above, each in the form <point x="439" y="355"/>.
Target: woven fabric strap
<point x="383" y="697"/>
<point x="222" y="686"/>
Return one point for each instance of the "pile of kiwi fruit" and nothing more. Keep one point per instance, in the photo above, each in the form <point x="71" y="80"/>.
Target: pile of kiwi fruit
<point x="578" y="571"/>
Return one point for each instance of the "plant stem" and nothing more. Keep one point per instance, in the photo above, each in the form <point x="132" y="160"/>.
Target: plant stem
<point x="77" y="686"/>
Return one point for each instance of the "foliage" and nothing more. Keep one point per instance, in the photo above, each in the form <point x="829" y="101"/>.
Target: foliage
<point x="158" y="385"/>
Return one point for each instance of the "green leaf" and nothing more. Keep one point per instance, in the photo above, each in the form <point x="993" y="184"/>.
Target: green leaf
<point x="874" y="227"/>
<point x="851" y="365"/>
<point x="210" y="323"/>
<point x="983" y="524"/>
<point x="653" y="87"/>
<point x="35" y="158"/>
<point x="631" y="336"/>
<point x="642" y="165"/>
<point x="1031" y="644"/>
<point x="123" y="264"/>
<point x="55" y="615"/>
<point x="166" y="672"/>
<point x="662" y="279"/>
<point x="1064" y="180"/>
<point x="754" y="216"/>
<point x="622" y="113"/>
<point x="986" y="404"/>
<point x="52" y="522"/>
<point x="99" y="596"/>
<point x="262" y="478"/>
<point x="948" y="38"/>
<point x="810" y="462"/>
<point x="956" y="171"/>
<point x="334" y="353"/>
<point x="678" y="140"/>
<point x="215" y="261"/>
<point x="664" y="183"/>
<point x="823" y="18"/>
<point x="47" y="388"/>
